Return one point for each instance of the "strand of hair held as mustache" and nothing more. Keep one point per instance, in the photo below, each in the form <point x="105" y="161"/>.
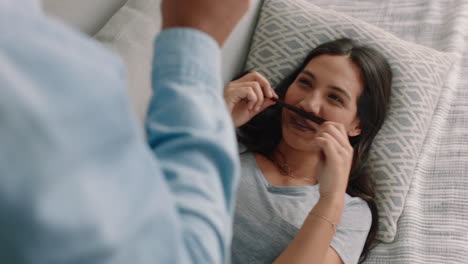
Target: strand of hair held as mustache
<point x="299" y="111"/>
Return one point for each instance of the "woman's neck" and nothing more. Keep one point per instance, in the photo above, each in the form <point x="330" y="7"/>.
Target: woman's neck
<point x="301" y="164"/>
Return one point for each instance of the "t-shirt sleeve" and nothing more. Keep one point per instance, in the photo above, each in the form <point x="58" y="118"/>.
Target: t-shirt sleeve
<point x="352" y="231"/>
<point x="241" y="147"/>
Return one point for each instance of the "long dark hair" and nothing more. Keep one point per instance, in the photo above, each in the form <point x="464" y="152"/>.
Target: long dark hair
<point x="263" y="133"/>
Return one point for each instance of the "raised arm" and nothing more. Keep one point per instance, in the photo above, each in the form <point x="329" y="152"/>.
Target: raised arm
<point x="192" y="138"/>
<point x="188" y="125"/>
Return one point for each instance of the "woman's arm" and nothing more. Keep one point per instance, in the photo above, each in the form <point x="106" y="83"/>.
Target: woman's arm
<point x="312" y="242"/>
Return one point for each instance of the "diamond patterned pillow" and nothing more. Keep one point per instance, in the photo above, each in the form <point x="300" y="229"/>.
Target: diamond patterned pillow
<point x="288" y="29"/>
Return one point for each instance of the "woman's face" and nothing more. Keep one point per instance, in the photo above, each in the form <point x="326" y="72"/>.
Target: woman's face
<point x="328" y="87"/>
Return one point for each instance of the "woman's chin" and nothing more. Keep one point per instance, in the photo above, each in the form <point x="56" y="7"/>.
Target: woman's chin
<point x="298" y="139"/>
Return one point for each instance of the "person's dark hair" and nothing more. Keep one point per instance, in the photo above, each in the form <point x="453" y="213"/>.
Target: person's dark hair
<point x="263" y="133"/>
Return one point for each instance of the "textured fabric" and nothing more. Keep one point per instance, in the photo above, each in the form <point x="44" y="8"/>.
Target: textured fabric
<point x="268" y="217"/>
<point x="78" y="181"/>
<point x="288" y="30"/>
<point x="434" y="225"/>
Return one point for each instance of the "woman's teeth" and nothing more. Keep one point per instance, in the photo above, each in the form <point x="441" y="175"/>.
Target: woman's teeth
<point x="302" y="123"/>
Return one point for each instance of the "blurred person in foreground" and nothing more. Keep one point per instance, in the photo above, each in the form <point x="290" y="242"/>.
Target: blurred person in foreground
<point x="79" y="181"/>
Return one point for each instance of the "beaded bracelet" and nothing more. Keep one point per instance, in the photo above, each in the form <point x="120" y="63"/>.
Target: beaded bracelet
<point x="334" y="225"/>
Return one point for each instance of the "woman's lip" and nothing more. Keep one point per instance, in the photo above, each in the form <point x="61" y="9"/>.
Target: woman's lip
<point x="301" y="123"/>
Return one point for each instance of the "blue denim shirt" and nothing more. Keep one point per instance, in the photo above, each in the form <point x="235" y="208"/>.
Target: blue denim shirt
<point x="80" y="182"/>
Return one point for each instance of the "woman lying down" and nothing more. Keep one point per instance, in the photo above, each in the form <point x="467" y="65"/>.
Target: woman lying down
<point x="304" y="196"/>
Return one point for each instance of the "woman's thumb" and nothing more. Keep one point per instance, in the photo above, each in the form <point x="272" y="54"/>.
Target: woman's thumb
<point x="267" y="103"/>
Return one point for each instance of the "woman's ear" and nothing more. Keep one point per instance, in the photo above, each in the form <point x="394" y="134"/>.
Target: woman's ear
<point x="355" y="128"/>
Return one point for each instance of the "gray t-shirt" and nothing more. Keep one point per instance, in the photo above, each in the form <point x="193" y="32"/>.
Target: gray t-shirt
<point x="268" y="217"/>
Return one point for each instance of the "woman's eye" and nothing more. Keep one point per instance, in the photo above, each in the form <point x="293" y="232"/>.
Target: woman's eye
<point x="336" y="98"/>
<point x="304" y="81"/>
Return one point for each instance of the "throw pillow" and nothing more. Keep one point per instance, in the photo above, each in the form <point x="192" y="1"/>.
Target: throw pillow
<point x="288" y="29"/>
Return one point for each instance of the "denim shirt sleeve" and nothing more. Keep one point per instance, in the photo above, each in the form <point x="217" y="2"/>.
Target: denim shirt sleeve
<point x="191" y="132"/>
<point x="79" y="183"/>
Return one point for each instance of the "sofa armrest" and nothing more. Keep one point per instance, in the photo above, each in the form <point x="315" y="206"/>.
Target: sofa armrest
<point x="236" y="48"/>
<point x="87" y="16"/>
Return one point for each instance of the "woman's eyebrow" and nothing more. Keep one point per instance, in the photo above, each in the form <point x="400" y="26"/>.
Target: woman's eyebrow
<point x="336" y="88"/>
<point x="342" y="91"/>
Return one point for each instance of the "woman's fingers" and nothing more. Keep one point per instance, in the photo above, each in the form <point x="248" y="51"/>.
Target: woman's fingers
<point x="264" y="83"/>
<point x="255" y="88"/>
<point x="328" y="144"/>
<point x="248" y="96"/>
<point x="267" y="103"/>
<point x="338" y="131"/>
<point x="237" y="95"/>
<point x="337" y="154"/>
<point x="333" y="140"/>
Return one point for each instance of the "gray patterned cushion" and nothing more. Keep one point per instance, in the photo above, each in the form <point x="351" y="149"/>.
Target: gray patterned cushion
<point x="288" y="29"/>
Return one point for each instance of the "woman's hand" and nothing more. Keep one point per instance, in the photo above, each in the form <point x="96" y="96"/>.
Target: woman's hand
<point x="245" y="97"/>
<point x="337" y="157"/>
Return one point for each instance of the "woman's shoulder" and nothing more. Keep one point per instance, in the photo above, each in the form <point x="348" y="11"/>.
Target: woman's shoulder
<point x="248" y="165"/>
<point x="246" y="157"/>
<point x="354" y="201"/>
<point x="352" y="229"/>
<point x="356" y="213"/>
<point x="241" y="148"/>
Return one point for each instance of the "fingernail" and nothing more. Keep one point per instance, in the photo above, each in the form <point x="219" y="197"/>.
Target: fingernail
<point x="257" y="108"/>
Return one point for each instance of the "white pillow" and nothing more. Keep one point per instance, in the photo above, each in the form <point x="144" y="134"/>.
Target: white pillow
<point x="288" y="29"/>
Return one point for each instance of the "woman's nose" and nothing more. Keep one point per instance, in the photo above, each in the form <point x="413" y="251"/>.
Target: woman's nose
<point x="311" y="103"/>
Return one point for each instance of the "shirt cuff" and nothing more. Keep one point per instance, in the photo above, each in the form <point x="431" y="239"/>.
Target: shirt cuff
<point x="188" y="52"/>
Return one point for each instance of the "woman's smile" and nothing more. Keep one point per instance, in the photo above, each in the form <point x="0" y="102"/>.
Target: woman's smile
<point x="300" y="123"/>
